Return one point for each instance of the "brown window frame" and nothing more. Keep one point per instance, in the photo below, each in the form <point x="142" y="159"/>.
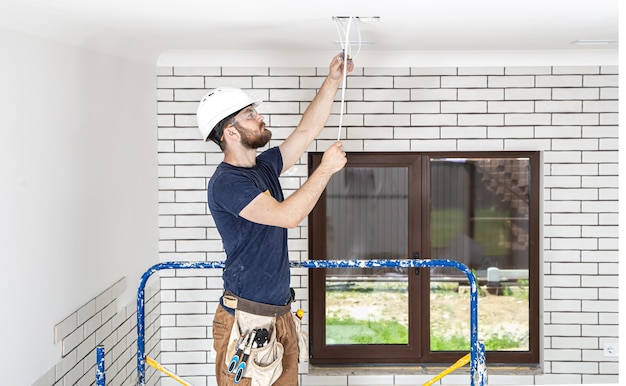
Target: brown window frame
<point x="418" y="348"/>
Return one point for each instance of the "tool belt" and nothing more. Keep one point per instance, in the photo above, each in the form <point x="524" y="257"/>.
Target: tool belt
<point x="234" y="302"/>
<point x="261" y="363"/>
<point x="258" y="359"/>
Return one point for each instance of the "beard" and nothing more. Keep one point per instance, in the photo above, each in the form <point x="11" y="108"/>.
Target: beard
<point x="253" y="140"/>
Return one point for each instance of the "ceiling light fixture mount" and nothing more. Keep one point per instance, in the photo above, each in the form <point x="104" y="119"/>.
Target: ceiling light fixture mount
<point x="361" y="18"/>
<point x="363" y="43"/>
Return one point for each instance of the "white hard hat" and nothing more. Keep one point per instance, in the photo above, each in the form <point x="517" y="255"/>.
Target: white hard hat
<point x="217" y="105"/>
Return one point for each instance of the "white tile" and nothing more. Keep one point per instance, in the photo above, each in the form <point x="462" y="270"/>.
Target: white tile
<point x="180" y="82"/>
<point x="186" y="357"/>
<point x="424" y="94"/>
<point x="464" y="107"/>
<point x="576" y="119"/>
<point x="478" y="94"/>
<point x="514" y="119"/>
<point x="388" y="119"/>
<point x="600" y="106"/>
<point x="559" y="81"/>
<point x="463" y="81"/>
<point x="600" y="80"/>
<point x="373" y="380"/>
<point x="427" y="82"/>
<point x="520" y="81"/>
<point x="381" y="107"/>
<point x="558" y="379"/>
<point x="370" y="82"/>
<point x="417" y="107"/>
<point x="463" y="132"/>
<point x="275" y="82"/>
<point x="527" y="94"/>
<point x="560" y="70"/>
<point x="480" y="145"/>
<point x="433" y="120"/>
<point x="326" y="380"/>
<point x="511" y="106"/>
<point x="575" y="367"/>
<point x="480" y="119"/>
<point x="559" y="106"/>
<point x="506" y="379"/>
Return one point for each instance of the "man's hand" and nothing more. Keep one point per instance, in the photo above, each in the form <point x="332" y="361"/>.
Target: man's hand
<point x="334" y="158"/>
<point x="335" y="70"/>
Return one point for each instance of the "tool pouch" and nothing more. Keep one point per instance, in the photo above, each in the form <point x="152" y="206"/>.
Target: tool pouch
<point x="265" y="364"/>
<point x="303" y="347"/>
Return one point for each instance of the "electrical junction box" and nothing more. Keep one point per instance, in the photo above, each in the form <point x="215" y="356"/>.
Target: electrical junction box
<point x="611" y="349"/>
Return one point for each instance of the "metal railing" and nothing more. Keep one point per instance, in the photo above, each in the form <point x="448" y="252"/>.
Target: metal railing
<point x="477" y="349"/>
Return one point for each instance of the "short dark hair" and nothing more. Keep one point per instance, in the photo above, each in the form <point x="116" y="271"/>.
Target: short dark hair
<point x="216" y="134"/>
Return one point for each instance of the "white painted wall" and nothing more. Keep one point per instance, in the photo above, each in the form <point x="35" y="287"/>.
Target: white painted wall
<point x="78" y="197"/>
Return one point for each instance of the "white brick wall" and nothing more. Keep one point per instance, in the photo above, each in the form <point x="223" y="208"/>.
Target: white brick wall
<point x="568" y="113"/>
<point x="99" y="322"/>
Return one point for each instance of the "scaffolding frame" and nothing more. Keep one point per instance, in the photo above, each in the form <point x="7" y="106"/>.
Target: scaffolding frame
<point x="478" y="370"/>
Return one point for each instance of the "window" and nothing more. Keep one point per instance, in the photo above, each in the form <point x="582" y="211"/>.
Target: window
<point x="477" y="208"/>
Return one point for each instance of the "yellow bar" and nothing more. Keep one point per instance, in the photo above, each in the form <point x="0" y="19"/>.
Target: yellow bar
<point x="457" y="365"/>
<point x="162" y="369"/>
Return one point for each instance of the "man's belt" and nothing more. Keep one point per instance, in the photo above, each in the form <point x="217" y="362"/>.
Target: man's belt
<point x="233" y="301"/>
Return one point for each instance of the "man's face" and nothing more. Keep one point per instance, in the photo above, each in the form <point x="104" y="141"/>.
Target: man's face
<point x="251" y="126"/>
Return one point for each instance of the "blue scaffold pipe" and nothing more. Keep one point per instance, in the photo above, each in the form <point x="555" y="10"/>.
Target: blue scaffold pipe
<point x="141" y="304"/>
<point x="480" y="373"/>
<point x="100" y="378"/>
<point x="477" y="350"/>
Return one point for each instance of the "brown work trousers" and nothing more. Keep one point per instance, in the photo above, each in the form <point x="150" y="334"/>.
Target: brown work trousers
<point x="285" y="334"/>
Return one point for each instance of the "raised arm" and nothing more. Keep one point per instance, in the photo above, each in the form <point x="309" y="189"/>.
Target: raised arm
<point x="316" y="114"/>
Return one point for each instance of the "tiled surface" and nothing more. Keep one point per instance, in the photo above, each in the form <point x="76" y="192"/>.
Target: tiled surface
<point x="568" y="113"/>
<point x="101" y="321"/>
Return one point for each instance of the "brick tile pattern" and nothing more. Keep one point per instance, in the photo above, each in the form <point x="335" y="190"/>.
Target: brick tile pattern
<point x="567" y="113"/>
<point x="102" y="321"/>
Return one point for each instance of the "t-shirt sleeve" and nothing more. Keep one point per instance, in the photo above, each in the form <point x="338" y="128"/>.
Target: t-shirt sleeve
<point x="273" y="158"/>
<point x="233" y="192"/>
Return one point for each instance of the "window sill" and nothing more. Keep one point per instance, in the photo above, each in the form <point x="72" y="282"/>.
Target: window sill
<point x="430" y="369"/>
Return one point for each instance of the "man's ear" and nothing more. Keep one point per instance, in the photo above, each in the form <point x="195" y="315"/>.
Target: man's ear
<point x="230" y="131"/>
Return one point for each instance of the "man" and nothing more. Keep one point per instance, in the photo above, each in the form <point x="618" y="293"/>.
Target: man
<point x="251" y="214"/>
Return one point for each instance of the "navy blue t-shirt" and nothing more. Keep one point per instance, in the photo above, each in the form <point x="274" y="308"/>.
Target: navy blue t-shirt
<point x="257" y="261"/>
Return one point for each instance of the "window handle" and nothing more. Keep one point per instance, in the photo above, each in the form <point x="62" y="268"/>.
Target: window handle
<point x="416" y="256"/>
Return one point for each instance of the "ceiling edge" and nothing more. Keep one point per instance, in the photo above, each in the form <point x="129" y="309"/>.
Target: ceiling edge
<point x="390" y="58"/>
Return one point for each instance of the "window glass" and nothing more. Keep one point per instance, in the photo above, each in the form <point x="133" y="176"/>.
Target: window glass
<point x="480" y="216"/>
<point x="367" y="219"/>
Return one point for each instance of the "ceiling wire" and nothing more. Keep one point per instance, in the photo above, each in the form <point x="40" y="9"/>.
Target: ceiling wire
<point x="346" y="46"/>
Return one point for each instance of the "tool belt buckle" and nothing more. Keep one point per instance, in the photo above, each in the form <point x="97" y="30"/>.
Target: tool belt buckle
<point x="230" y="301"/>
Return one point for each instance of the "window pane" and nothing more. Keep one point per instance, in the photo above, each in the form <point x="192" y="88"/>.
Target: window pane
<point x="367" y="218"/>
<point x="480" y="217"/>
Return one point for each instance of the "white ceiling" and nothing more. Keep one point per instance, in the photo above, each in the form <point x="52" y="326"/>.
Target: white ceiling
<point x="149" y="28"/>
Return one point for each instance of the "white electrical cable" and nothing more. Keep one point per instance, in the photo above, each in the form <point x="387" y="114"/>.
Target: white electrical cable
<point x="347" y="56"/>
<point x="343" y="31"/>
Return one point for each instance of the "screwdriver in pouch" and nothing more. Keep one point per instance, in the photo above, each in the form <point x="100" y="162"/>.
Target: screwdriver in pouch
<point x="246" y="354"/>
<point x="240" y="347"/>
